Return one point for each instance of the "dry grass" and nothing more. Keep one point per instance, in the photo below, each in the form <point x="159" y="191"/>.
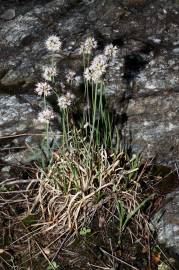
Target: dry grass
<point x="83" y="187"/>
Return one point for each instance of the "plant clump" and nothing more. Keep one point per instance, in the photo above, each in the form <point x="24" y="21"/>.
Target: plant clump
<point x="86" y="184"/>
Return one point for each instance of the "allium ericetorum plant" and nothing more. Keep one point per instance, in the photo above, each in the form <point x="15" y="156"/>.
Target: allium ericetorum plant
<point x="96" y="123"/>
<point x="84" y="166"/>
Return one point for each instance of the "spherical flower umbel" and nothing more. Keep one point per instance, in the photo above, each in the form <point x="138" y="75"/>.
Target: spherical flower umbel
<point x="110" y="51"/>
<point x="77" y="80"/>
<point x="53" y="43"/>
<point x="49" y="73"/>
<point x="45" y="116"/>
<point x="43" y="88"/>
<point x="96" y="76"/>
<point x="99" y="63"/>
<point x="87" y="46"/>
<point x="87" y="74"/>
<point x="66" y="100"/>
<point x="97" y="69"/>
<point x="70" y="76"/>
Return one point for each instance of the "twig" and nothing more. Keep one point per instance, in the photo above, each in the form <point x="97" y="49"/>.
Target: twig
<point x="117" y="259"/>
<point x="20" y="181"/>
<point x="19" y="135"/>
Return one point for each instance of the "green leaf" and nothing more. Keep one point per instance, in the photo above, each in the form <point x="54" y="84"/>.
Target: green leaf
<point x="29" y="220"/>
<point x="53" y="266"/>
<point x="84" y="231"/>
<point x="132" y="213"/>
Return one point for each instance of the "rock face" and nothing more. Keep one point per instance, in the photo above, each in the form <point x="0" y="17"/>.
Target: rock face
<point x="17" y="114"/>
<point x="143" y="84"/>
<point x="153" y="111"/>
<point x="167" y="223"/>
<point x="16" y="126"/>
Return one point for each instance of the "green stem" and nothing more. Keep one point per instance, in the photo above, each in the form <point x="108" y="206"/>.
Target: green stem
<point x="65" y="128"/>
<point x="100" y="110"/>
<point x="63" y="131"/>
<point x="45" y="104"/>
<point x="47" y="136"/>
<point x="67" y="125"/>
<point x="94" y="113"/>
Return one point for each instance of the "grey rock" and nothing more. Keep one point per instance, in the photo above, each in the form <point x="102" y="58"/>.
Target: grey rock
<point x="176" y="51"/>
<point x="8" y="15"/>
<point x="153" y="112"/>
<point x="16" y="115"/>
<point x="166" y="222"/>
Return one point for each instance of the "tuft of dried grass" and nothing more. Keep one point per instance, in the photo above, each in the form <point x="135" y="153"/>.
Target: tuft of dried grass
<point x="82" y="187"/>
<point x="80" y="183"/>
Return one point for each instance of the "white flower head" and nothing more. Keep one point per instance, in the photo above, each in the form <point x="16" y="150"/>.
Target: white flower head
<point x="96" y="76"/>
<point x="99" y="63"/>
<point x="70" y="76"/>
<point x="43" y="88"/>
<point x="87" y="46"/>
<point x="110" y="51"/>
<point x="62" y="85"/>
<point x="45" y="116"/>
<point x="66" y="100"/>
<point x="53" y="43"/>
<point x="77" y="80"/>
<point x="49" y="73"/>
<point x="87" y="74"/>
<point x="97" y="69"/>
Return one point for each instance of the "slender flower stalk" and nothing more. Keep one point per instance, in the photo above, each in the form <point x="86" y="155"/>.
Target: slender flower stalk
<point x="45" y="117"/>
<point x="110" y="51"/>
<point x="64" y="102"/>
<point x="94" y="75"/>
<point x="94" y="113"/>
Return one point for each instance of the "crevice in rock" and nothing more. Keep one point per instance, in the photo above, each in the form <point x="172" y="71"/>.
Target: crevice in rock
<point x="137" y="5"/>
<point x="134" y="63"/>
<point x="3" y="73"/>
<point x="14" y="88"/>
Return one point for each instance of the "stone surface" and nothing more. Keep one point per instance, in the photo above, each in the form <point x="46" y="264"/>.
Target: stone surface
<point x="166" y="222"/>
<point x="9" y="14"/>
<point x="16" y="114"/>
<point x="143" y="83"/>
<point x="153" y="113"/>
